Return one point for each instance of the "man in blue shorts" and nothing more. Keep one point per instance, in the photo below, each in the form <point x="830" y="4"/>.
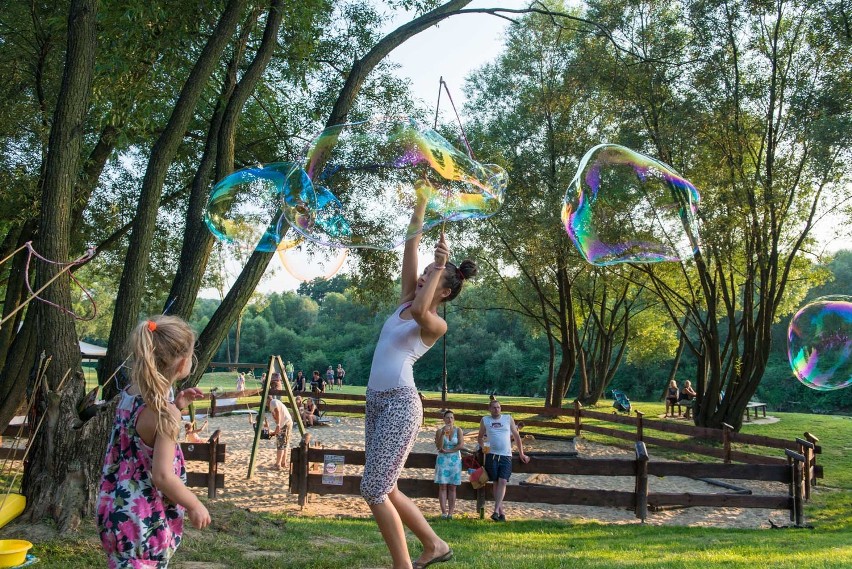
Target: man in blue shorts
<point x="500" y="430"/>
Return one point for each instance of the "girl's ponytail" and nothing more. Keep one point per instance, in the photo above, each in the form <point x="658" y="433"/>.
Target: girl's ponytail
<point x="158" y="345"/>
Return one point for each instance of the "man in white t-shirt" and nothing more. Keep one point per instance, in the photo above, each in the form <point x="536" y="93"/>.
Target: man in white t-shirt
<point x="282" y="433"/>
<point x="500" y="430"/>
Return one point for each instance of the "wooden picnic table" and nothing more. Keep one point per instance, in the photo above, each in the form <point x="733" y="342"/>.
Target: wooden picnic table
<point x="756" y="406"/>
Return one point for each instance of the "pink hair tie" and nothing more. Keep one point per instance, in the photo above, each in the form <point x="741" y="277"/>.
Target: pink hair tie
<point x="459" y="273"/>
<point x="152" y="325"/>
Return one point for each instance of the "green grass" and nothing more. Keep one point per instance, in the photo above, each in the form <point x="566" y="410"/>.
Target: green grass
<point x="238" y="538"/>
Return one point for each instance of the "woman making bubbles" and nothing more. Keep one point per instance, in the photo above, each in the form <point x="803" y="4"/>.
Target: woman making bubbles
<point x="394" y="412"/>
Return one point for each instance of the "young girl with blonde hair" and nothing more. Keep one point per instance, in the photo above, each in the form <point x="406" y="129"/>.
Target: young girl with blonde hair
<point x="143" y="495"/>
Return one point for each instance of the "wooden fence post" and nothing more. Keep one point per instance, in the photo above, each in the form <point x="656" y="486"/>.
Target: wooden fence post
<point x="212" y="403"/>
<point x="798" y="472"/>
<point x="641" y="488"/>
<point x="480" y="492"/>
<point x="811" y="467"/>
<point x="302" y="468"/>
<point x="577" y="424"/>
<point x="726" y="441"/>
<point x="639" y="426"/>
<point x="213" y="468"/>
<point x="796" y="462"/>
<point x="806" y="449"/>
<point x="423" y="408"/>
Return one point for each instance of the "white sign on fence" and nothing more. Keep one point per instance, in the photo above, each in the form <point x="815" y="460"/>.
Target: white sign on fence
<point x="332" y="469"/>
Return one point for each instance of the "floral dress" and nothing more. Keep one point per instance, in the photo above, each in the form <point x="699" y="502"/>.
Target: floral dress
<point x="139" y="526"/>
<point x="448" y="465"/>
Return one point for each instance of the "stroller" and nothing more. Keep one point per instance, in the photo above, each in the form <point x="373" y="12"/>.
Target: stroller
<point x="620" y="401"/>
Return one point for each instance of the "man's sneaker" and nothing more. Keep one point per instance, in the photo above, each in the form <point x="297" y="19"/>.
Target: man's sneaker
<point x="502" y="518"/>
<point x="495" y="516"/>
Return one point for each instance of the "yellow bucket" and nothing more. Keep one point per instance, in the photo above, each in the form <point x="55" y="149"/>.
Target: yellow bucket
<point x="13" y="552"/>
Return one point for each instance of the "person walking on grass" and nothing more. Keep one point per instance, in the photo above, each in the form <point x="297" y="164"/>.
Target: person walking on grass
<point x="340" y="373"/>
<point x="500" y="430"/>
<point x="393" y="410"/>
<point x="142" y="496"/>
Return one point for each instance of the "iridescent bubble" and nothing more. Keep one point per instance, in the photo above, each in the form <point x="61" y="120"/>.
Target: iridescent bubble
<point x="309" y="261"/>
<point x="819" y="343"/>
<point x="624" y="207"/>
<point x="246" y="208"/>
<point x="366" y="176"/>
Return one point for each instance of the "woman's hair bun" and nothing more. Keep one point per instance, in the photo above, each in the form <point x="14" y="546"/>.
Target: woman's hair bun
<point x="468" y="269"/>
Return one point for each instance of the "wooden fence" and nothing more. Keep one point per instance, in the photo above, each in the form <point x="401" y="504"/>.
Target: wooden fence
<point x="701" y="439"/>
<point x="212" y="453"/>
<point x="303" y="482"/>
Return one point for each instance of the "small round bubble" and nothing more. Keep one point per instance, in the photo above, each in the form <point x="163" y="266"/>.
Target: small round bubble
<point x="625" y="207"/>
<point x="819" y="343"/>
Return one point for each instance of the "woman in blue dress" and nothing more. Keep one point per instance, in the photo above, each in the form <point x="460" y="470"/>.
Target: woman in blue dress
<point x="449" y="440"/>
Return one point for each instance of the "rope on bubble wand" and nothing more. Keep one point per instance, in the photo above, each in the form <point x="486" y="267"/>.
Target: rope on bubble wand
<point x="66" y="268"/>
<point x="442" y="85"/>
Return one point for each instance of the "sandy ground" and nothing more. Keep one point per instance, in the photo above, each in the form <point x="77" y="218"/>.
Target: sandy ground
<point x="267" y="490"/>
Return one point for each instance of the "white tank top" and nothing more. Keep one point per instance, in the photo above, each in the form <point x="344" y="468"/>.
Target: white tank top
<point x="399" y="346"/>
<point x="499" y="434"/>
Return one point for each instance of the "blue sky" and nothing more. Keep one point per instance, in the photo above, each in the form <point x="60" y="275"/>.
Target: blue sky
<point x="452" y="49"/>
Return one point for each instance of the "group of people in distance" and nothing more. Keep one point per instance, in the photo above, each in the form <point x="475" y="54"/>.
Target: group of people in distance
<point x="308" y="410"/>
<point x="675" y="396"/>
<point x="318" y="382"/>
<point x="143" y="498"/>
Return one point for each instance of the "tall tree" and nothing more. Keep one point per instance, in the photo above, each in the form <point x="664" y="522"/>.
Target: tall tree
<point x="533" y="104"/>
<point x="61" y="473"/>
<point x="744" y="101"/>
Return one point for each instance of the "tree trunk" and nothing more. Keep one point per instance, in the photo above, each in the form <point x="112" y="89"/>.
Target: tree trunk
<point x="197" y="240"/>
<point x="132" y="285"/>
<point x="15" y="289"/>
<point x="13" y="388"/>
<point x="60" y="477"/>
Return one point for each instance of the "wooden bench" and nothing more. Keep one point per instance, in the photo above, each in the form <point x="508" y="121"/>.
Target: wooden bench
<point x="212" y="452"/>
<point x="756" y="406"/>
<point x="687" y="403"/>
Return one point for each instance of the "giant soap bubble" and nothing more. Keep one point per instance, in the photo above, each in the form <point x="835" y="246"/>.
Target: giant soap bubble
<point x="819" y="343"/>
<point x="366" y="176"/>
<point x="246" y="208"/>
<point x="308" y="261"/>
<point x="624" y="207"/>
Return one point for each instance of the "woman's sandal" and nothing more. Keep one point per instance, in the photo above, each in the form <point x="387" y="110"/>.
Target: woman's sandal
<point x="440" y="559"/>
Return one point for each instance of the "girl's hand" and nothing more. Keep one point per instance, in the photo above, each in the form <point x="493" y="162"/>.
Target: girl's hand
<point x="423" y="190"/>
<point x="199" y="517"/>
<point x="442" y="252"/>
<point x="187" y="396"/>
